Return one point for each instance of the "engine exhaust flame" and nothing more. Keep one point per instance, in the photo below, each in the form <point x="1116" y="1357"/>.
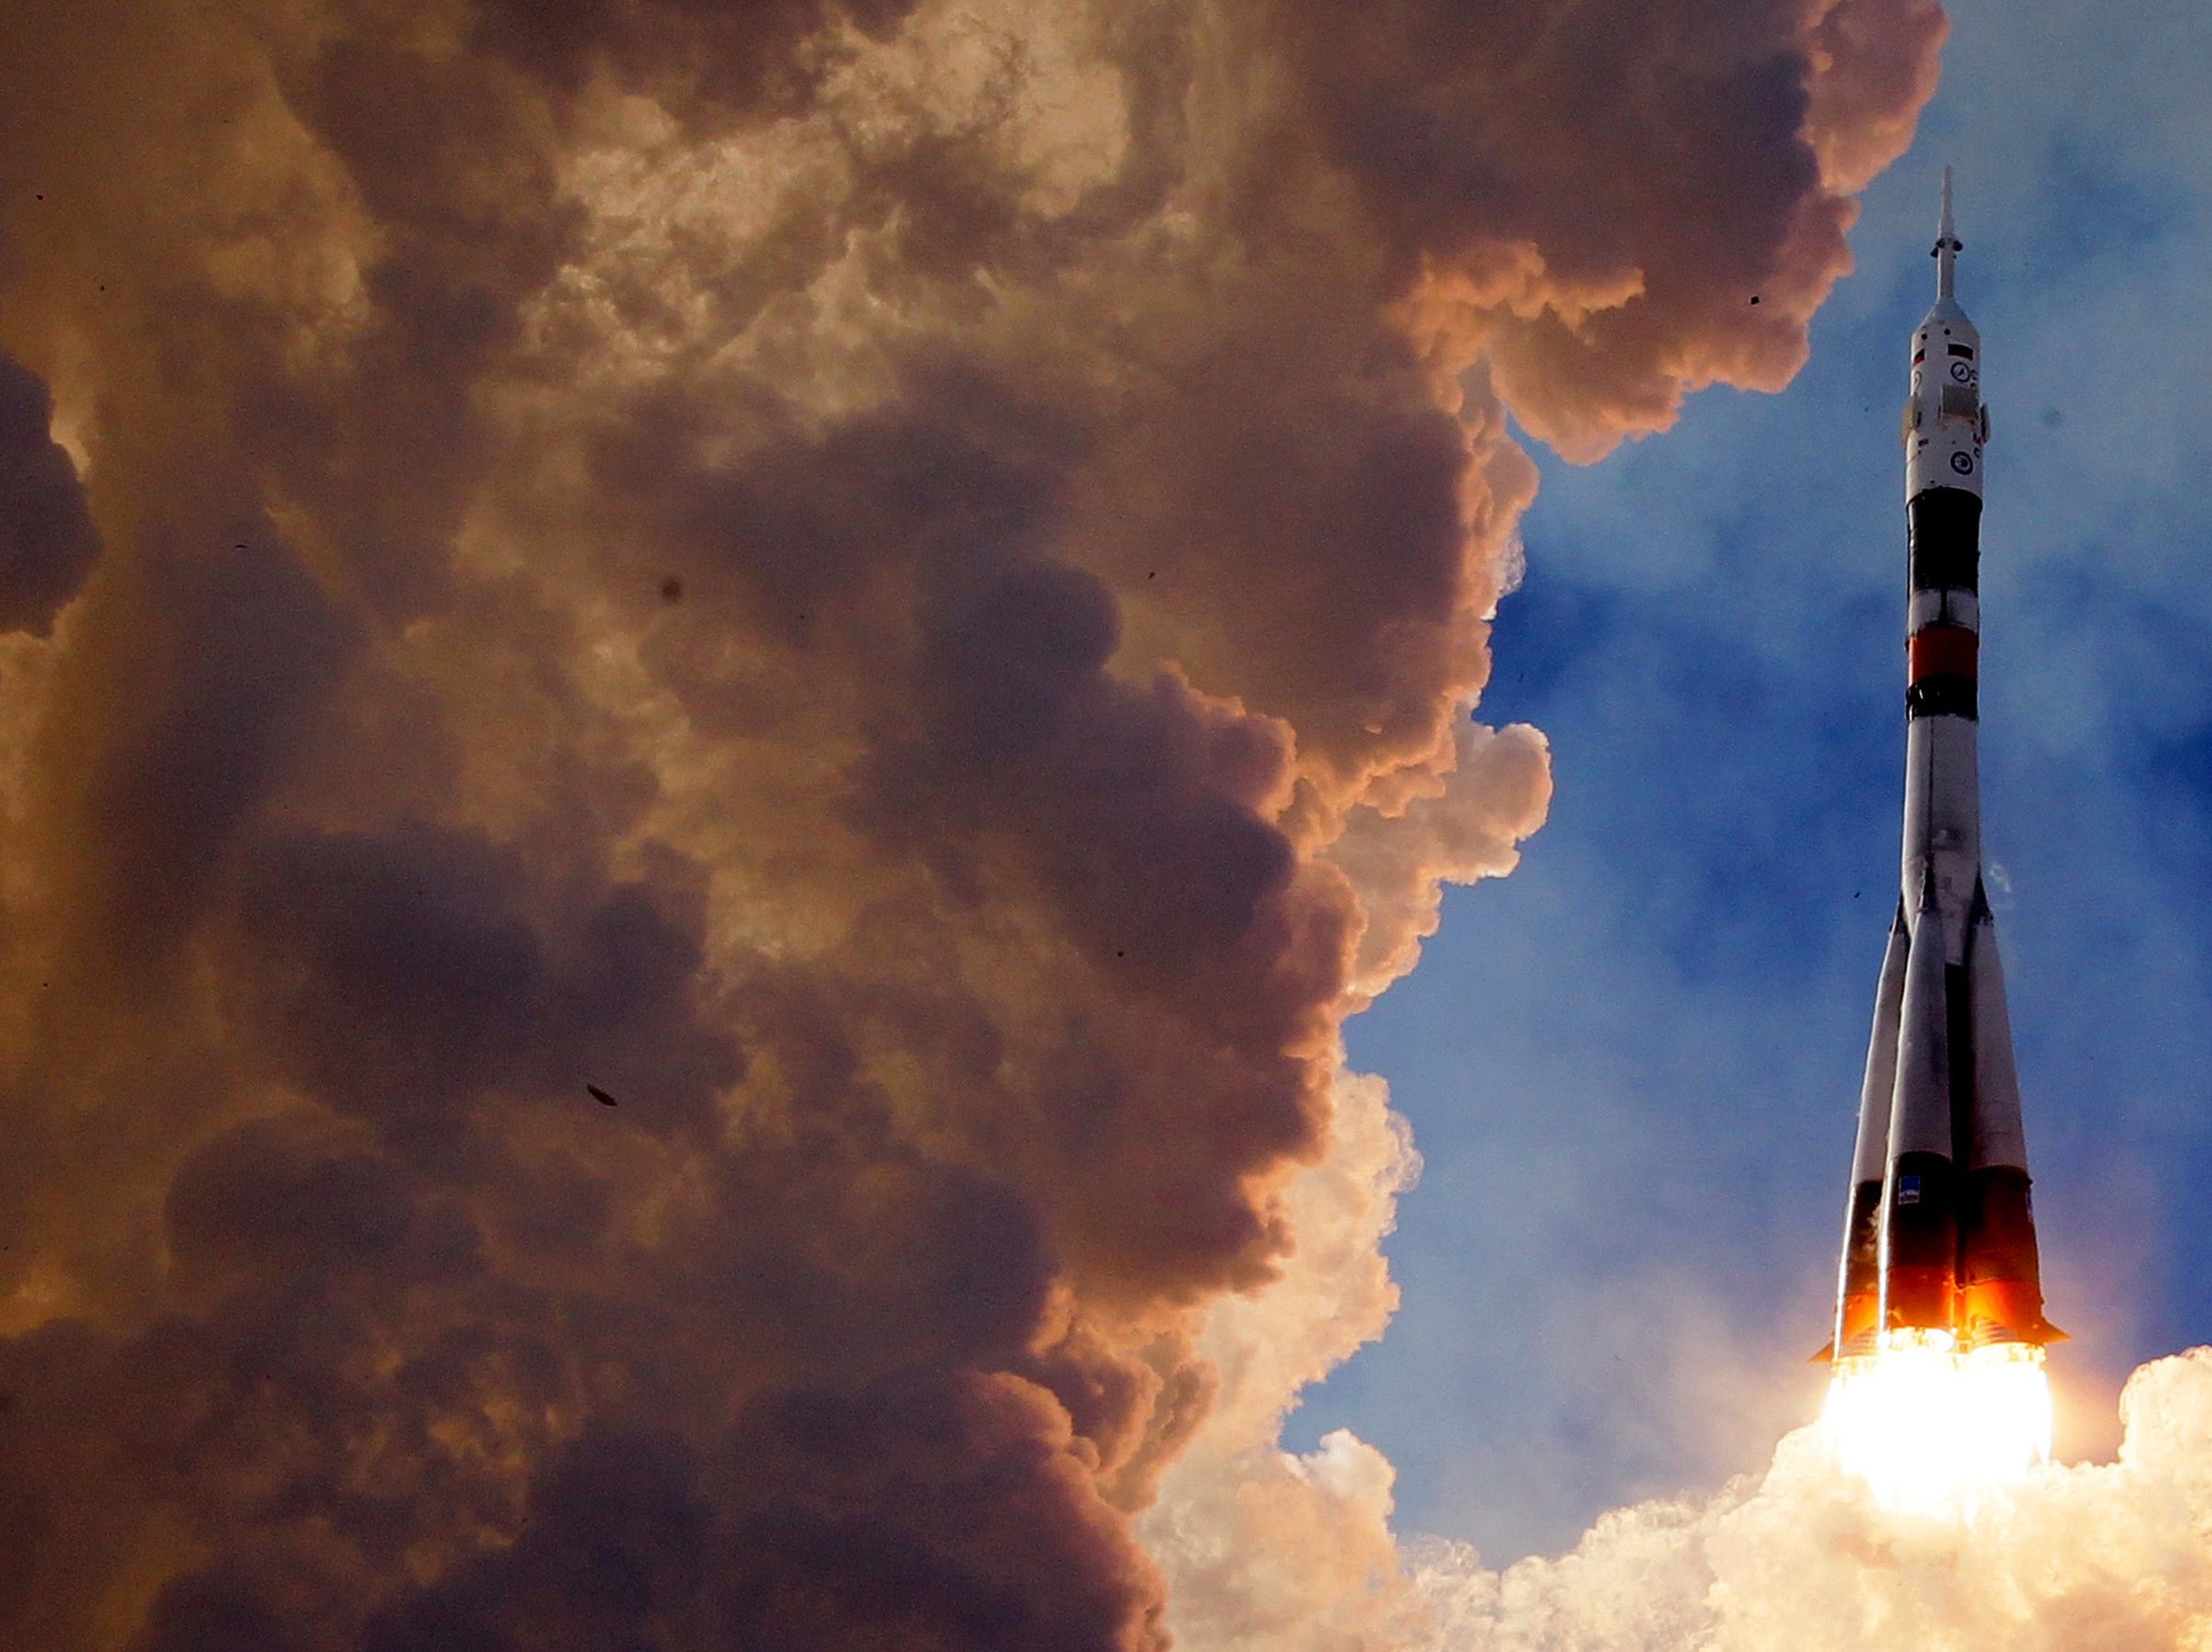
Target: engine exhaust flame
<point x="1932" y="1430"/>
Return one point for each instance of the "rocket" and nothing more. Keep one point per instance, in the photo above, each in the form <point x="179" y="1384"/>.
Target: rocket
<point x="1940" y="1237"/>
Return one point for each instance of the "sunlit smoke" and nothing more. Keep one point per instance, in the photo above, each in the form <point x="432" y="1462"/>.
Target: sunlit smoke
<point x="1932" y="1430"/>
<point x="707" y="713"/>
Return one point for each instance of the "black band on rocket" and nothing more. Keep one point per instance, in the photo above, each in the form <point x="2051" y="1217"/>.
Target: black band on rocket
<point x="1945" y="529"/>
<point x="1942" y="697"/>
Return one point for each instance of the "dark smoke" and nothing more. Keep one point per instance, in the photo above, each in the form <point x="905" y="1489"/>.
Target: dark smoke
<point x="47" y="539"/>
<point x="896" y="587"/>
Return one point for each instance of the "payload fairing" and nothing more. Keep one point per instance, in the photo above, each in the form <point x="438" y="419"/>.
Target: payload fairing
<point x="1940" y="1237"/>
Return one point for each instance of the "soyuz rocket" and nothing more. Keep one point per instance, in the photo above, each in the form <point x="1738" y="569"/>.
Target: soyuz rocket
<point x="1940" y="1237"/>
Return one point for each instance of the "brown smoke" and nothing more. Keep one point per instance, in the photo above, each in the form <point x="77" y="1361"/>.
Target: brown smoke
<point x="47" y="539"/>
<point x="895" y="586"/>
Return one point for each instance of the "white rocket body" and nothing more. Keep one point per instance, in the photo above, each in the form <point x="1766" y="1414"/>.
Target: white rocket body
<point x="1939" y="1236"/>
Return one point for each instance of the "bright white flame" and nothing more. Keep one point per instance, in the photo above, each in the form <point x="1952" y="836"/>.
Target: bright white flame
<point x="1930" y="1430"/>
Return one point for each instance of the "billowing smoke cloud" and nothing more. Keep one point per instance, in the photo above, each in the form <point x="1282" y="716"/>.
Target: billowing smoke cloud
<point x="2091" y="1555"/>
<point x="47" y="539"/>
<point x="895" y="587"/>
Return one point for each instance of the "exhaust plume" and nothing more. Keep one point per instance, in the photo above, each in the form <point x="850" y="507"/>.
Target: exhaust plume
<point x="894" y="584"/>
<point x="2095" y="1554"/>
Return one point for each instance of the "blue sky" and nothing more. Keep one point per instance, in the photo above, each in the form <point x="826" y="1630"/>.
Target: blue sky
<point x="1632" y="1067"/>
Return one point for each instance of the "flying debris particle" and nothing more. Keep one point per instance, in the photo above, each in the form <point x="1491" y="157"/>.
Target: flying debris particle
<point x="601" y="1096"/>
<point x="1755" y="297"/>
<point x="671" y="590"/>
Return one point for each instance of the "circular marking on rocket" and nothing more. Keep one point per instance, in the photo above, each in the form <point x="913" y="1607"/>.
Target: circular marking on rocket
<point x="1962" y="371"/>
<point x="1962" y="462"/>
